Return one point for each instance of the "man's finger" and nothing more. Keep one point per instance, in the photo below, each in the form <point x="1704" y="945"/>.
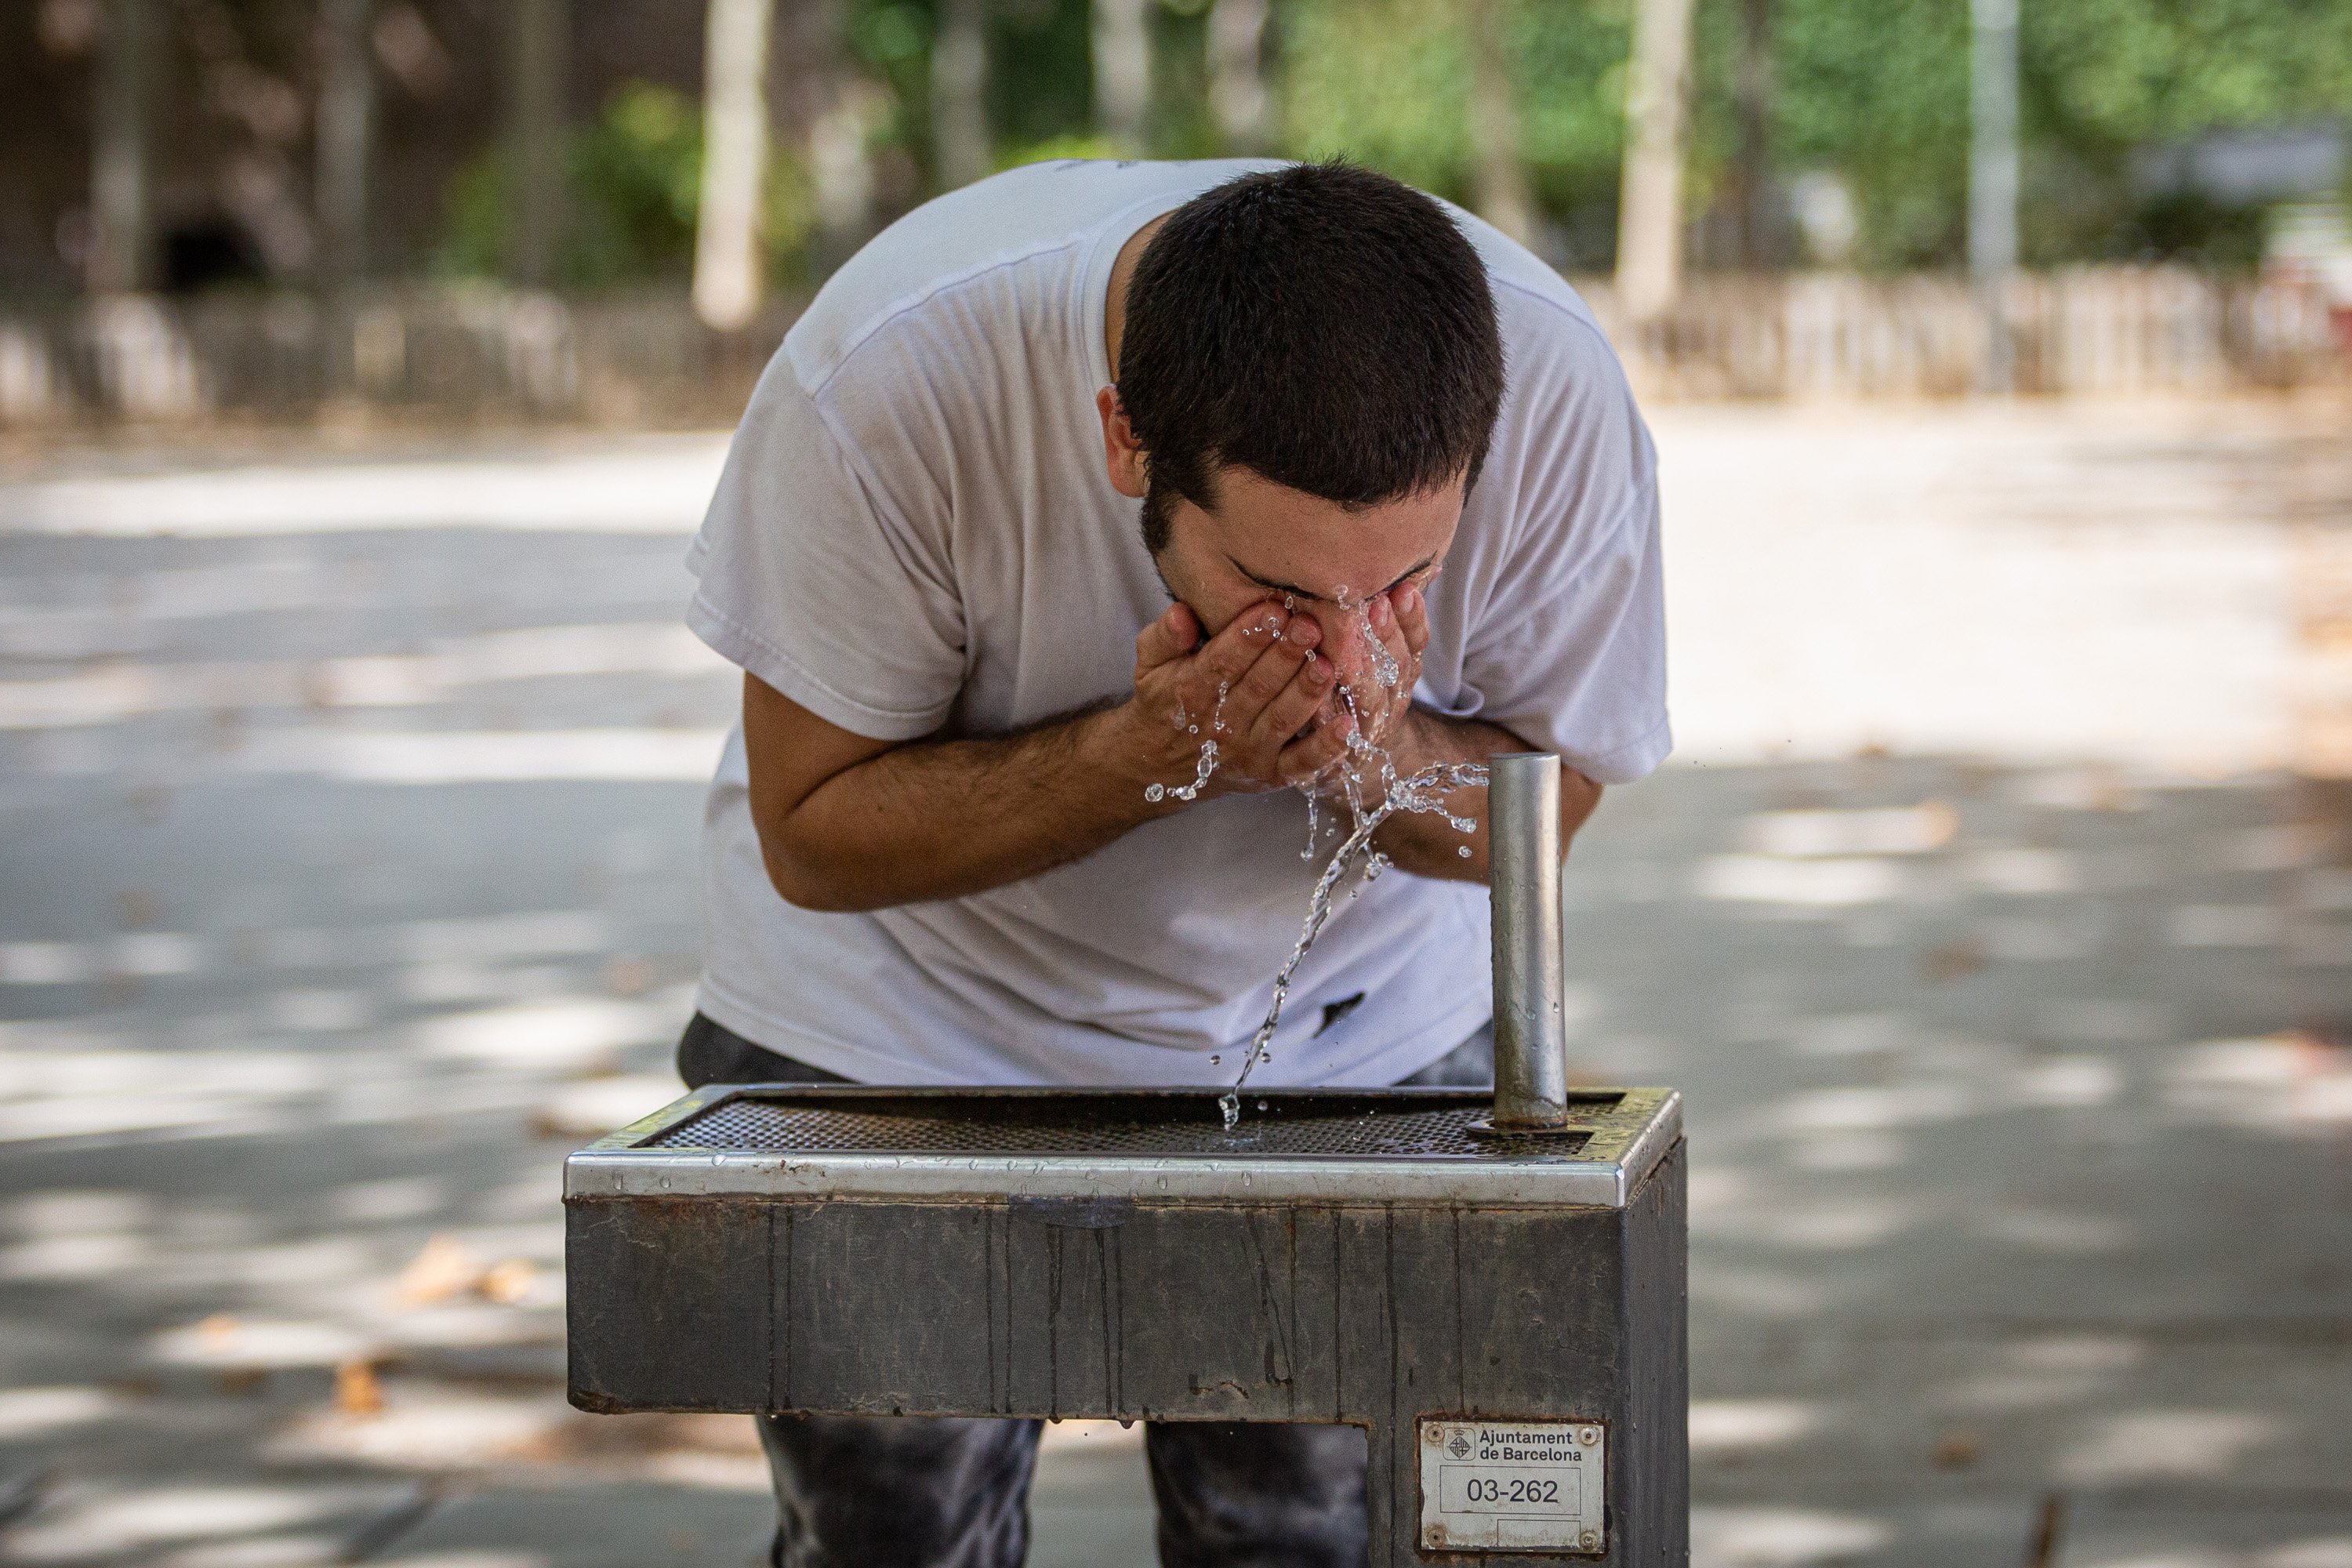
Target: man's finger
<point x="1412" y="618"/>
<point x="1315" y="754"/>
<point x="1276" y="670"/>
<point x="1389" y="629"/>
<point x="1229" y="655"/>
<point x="1291" y="708"/>
<point x="1175" y="634"/>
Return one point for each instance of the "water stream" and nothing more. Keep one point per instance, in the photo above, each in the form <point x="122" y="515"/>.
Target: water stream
<point x="1366" y="763"/>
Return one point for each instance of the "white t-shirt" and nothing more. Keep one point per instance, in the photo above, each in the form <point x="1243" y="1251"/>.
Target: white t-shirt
<point x="915" y="535"/>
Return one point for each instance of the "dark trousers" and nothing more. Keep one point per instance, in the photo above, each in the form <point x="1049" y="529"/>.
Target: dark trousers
<point x="883" y="1491"/>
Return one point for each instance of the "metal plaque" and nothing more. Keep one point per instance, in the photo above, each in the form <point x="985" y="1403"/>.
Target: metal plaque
<point x="1513" y="1486"/>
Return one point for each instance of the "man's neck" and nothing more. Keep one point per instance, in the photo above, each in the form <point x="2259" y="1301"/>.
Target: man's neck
<point x="1122" y="268"/>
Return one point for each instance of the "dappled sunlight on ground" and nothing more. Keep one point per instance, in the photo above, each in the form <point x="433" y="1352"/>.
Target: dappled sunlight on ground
<point x="2005" y="966"/>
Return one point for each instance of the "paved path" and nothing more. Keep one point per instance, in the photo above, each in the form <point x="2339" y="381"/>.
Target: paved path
<point x="346" y="819"/>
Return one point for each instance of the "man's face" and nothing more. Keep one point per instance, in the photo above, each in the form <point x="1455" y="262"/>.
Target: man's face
<point x="1266" y="543"/>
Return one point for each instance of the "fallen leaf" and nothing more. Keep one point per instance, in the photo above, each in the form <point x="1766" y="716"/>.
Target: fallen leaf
<point x="508" y="1283"/>
<point x="357" y="1390"/>
<point x="1953" y="961"/>
<point x="1956" y="1450"/>
<point x="628" y="977"/>
<point x="443" y="1269"/>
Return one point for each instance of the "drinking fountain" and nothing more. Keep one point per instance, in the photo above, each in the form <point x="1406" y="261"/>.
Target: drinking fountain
<point x="1490" y="1284"/>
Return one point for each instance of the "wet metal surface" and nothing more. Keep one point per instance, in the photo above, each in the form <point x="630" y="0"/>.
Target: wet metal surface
<point x="1392" y="1146"/>
<point x="1364" y="1126"/>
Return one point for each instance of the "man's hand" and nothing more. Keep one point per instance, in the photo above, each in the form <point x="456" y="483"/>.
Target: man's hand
<point x="1252" y="689"/>
<point x="1378" y="697"/>
<point x="1399" y="621"/>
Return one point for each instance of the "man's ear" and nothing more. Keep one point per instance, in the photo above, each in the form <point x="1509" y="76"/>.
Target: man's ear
<point x="1129" y="468"/>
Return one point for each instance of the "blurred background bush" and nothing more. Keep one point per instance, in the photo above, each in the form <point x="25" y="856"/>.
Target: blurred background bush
<point x="1826" y="131"/>
<point x="276" y="207"/>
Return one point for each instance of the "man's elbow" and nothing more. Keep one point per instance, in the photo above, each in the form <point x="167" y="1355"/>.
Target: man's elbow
<point x="1579" y="798"/>
<point x="807" y="882"/>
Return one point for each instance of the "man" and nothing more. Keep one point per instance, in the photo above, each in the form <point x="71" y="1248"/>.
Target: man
<point x="1064" y="475"/>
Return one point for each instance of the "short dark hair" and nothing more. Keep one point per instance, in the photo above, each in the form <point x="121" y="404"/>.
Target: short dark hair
<point x="1321" y="325"/>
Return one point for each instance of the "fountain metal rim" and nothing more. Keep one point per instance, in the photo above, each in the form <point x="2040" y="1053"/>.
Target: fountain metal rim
<point x="1628" y="1131"/>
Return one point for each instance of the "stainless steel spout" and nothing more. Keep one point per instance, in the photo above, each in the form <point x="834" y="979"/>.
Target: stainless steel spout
<point x="1523" y="852"/>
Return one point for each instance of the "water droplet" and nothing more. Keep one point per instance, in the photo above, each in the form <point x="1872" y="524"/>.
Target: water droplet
<point x="1463" y="852"/>
<point x="1155" y="792"/>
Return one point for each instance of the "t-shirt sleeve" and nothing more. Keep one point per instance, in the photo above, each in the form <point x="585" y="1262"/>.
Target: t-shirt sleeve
<point x="813" y="578"/>
<point x="1565" y="640"/>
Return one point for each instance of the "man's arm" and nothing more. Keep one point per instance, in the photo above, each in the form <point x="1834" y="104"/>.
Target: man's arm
<point x="1424" y="842"/>
<point x="1428" y="844"/>
<point x="847" y="822"/>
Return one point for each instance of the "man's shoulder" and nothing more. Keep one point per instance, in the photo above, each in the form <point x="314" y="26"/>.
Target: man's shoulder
<point x="1532" y="300"/>
<point x="1045" y="215"/>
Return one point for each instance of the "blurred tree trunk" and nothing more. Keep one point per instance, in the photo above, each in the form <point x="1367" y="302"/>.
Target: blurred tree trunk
<point x="1122" y="61"/>
<point x="843" y="109"/>
<point x="1650" y="220"/>
<point x="343" y="140"/>
<point x="1237" y="74"/>
<point x="960" y="94"/>
<point x="1992" y="180"/>
<point x="121" y="239"/>
<point x="1754" y="203"/>
<point x="727" y="251"/>
<point x="842" y="174"/>
<point x="1502" y="179"/>
<point x="538" y="68"/>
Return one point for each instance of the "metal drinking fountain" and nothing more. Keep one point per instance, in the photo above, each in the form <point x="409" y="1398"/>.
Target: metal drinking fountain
<point x="1490" y="1285"/>
<point x="1523" y="859"/>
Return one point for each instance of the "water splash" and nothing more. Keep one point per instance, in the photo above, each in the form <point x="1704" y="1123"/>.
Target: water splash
<point x="1423" y="792"/>
<point x="1206" y="767"/>
<point x="1202" y="772"/>
<point x="1385" y="663"/>
<point x="1352" y="780"/>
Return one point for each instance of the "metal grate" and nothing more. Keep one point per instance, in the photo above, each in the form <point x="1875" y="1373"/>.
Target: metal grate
<point x="1359" y="1127"/>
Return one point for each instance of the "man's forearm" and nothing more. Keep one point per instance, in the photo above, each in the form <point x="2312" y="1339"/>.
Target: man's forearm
<point x="1428" y="844"/>
<point x="937" y="819"/>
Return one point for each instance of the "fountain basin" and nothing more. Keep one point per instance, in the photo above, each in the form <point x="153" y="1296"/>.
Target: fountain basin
<point x="1370" y="1258"/>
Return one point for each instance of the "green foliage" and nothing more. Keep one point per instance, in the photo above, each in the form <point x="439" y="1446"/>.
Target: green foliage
<point x="1878" y="91"/>
<point x="1386" y="83"/>
<point x="636" y="173"/>
<point x="1056" y="147"/>
<point x="635" y="186"/>
<point x="2113" y="72"/>
<point x="1040" y="75"/>
<point x="1181" y="125"/>
<point x="892" y="36"/>
<point x="894" y="41"/>
<point x="1874" y="91"/>
<point x="1380" y="81"/>
<point x="475" y="208"/>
